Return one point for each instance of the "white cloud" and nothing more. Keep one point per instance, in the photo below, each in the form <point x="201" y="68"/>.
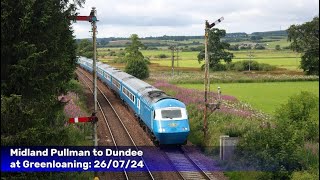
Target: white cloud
<point x="187" y="17"/>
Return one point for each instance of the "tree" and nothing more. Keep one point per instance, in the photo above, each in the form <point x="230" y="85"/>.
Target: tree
<point x="305" y="39"/>
<point x="278" y="48"/>
<point x="132" y="50"/>
<point x="85" y="48"/>
<point x="38" y="58"/>
<point x="216" y="49"/>
<point x="256" y="38"/>
<point x="137" y="65"/>
<point x="138" y="68"/>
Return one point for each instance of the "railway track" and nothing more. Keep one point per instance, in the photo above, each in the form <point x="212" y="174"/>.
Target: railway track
<point x="121" y="136"/>
<point x="184" y="166"/>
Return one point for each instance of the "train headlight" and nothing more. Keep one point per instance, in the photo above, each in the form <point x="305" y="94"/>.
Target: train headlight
<point x="161" y="130"/>
<point x="185" y="129"/>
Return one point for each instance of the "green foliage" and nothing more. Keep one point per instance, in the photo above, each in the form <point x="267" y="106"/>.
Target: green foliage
<point x="216" y="48"/>
<point x="138" y="68"/>
<point x="37" y="47"/>
<point x="256" y="38"/>
<point x="259" y="46"/>
<point x="277" y="47"/>
<point x="34" y="123"/>
<point x="254" y="65"/>
<point x="305" y="39"/>
<point x="280" y="148"/>
<point x="234" y="47"/>
<point x="304" y="175"/>
<point x="137" y="64"/>
<point x="132" y="50"/>
<point x="39" y="58"/>
<point x="219" y="123"/>
<point x="303" y="112"/>
<point x="161" y="56"/>
<point x="120" y="57"/>
<point x="242" y="66"/>
<point x="85" y="48"/>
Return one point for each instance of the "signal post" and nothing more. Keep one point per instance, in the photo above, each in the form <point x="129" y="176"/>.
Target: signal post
<point x="206" y="78"/>
<point x="93" y="119"/>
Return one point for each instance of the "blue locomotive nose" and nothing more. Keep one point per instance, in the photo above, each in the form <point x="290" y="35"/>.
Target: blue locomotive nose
<point x="172" y="131"/>
<point x="171" y="124"/>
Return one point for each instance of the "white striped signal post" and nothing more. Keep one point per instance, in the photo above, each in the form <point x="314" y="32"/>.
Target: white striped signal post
<point x="92" y="18"/>
<point x="206" y="72"/>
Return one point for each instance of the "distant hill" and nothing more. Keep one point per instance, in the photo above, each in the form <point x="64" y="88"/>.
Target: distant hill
<point x="270" y="33"/>
<point x="184" y="38"/>
<point x="230" y="37"/>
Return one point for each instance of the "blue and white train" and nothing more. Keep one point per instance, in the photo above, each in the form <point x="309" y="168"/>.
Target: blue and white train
<point x="164" y="117"/>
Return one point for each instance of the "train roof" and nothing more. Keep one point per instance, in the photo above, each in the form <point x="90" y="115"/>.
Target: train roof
<point x="112" y="70"/>
<point x="104" y="66"/>
<point x="149" y="93"/>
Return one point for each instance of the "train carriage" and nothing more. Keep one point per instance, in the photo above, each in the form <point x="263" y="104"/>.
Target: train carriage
<point x="165" y="117"/>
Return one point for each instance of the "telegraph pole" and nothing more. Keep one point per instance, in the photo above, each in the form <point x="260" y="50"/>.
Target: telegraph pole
<point x="250" y="56"/>
<point x="177" y="49"/>
<point x="94" y="29"/>
<point x="172" y="59"/>
<point x="206" y="74"/>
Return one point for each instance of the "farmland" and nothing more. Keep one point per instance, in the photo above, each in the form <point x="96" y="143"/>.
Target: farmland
<point x="248" y="87"/>
<point x="263" y="96"/>
<point x="285" y="59"/>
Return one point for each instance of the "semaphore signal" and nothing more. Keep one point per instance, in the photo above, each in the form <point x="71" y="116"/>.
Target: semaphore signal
<point x="213" y="106"/>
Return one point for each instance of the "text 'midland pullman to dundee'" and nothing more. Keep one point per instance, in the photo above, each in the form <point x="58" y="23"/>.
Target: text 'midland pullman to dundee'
<point x="69" y="152"/>
<point x="49" y="152"/>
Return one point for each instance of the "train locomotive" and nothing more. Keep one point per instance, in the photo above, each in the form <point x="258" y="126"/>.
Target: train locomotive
<point x="164" y="117"/>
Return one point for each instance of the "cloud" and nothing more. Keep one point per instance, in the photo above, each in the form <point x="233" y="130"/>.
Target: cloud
<point x="187" y="17"/>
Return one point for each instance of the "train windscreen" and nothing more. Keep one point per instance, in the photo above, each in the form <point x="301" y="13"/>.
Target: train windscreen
<point x="171" y="113"/>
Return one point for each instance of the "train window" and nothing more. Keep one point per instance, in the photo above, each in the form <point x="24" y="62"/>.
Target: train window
<point x="171" y="113"/>
<point x="116" y="83"/>
<point x="106" y="75"/>
<point x="128" y="94"/>
<point x="99" y="71"/>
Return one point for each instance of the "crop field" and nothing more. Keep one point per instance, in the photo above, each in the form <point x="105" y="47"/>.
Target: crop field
<point x="286" y="63"/>
<point x="266" y="97"/>
<point x="282" y="59"/>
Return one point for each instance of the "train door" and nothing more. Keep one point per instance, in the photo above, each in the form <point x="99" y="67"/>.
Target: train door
<point x="138" y="105"/>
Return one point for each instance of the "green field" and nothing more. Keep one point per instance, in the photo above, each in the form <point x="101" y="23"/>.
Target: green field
<point x="263" y="96"/>
<point x="285" y="59"/>
<point x="281" y="59"/>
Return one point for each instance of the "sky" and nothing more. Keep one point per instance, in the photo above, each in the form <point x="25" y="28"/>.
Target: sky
<point x="121" y="18"/>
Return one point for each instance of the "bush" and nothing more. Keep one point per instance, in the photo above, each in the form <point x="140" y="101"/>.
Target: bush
<point x="219" y="67"/>
<point x="112" y="53"/>
<point x="137" y="68"/>
<point x="254" y="65"/>
<point x="266" y="67"/>
<point x="259" y="46"/>
<point x="280" y="148"/>
<point x="303" y="111"/>
<point x="161" y="56"/>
